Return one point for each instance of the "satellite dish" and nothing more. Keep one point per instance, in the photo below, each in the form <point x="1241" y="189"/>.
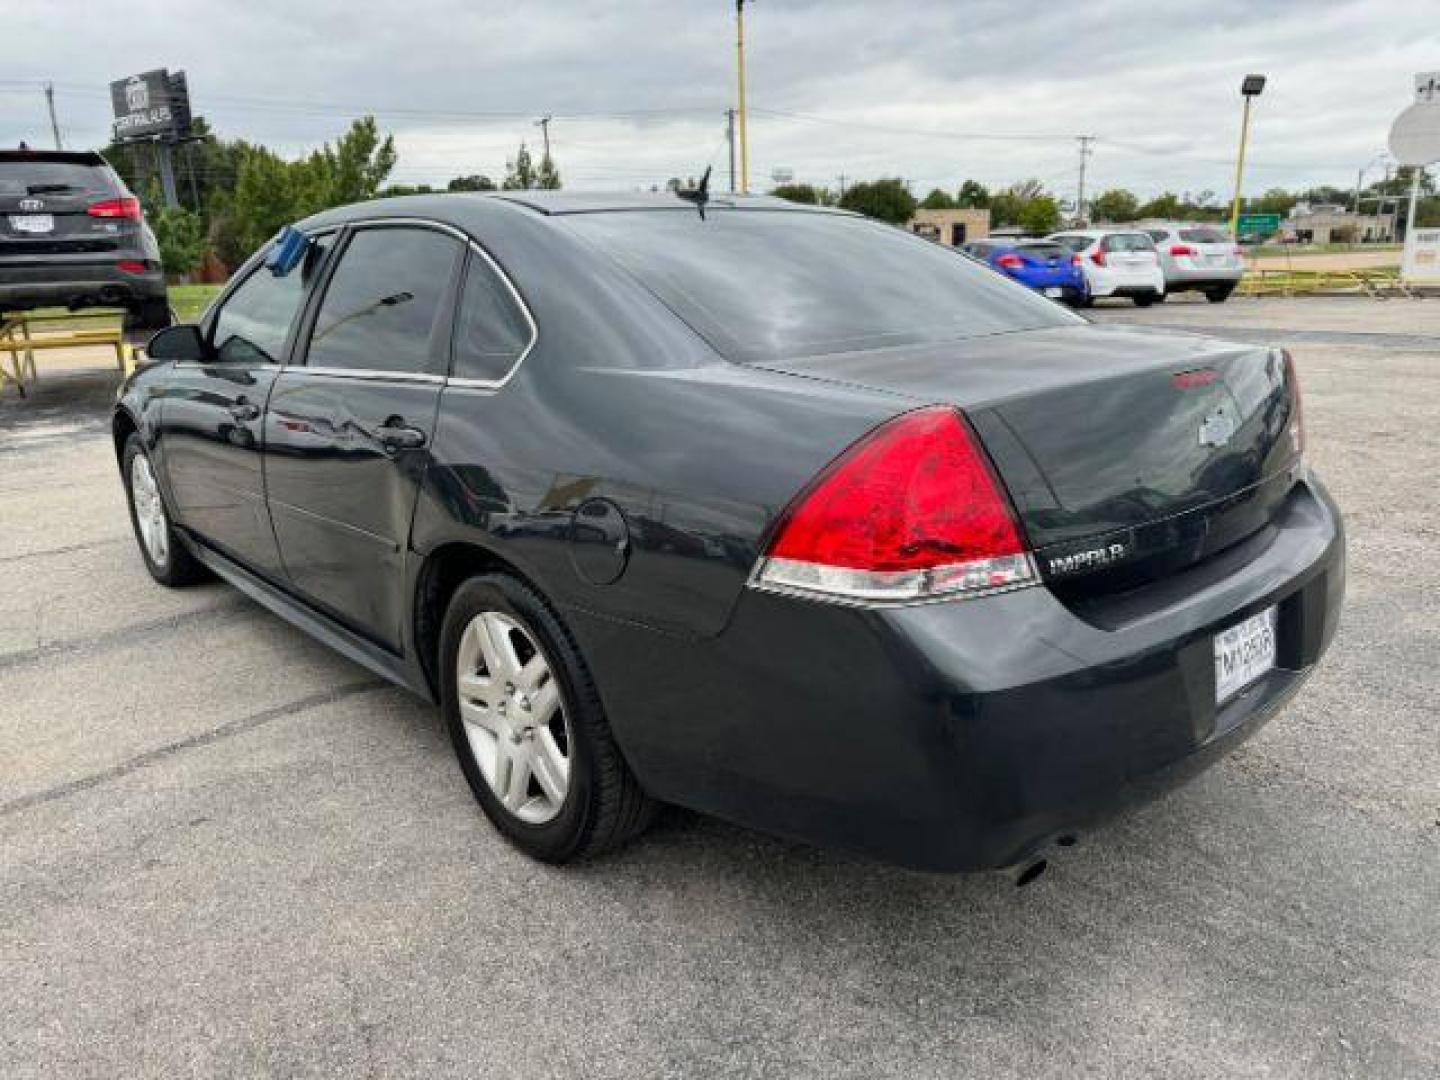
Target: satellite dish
<point x="1415" y="135"/>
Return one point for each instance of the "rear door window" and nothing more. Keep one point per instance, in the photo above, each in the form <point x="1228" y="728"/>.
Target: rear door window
<point x="491" y="331"/>
<point x="254" y="321"/>
<point x="385" y="306"/>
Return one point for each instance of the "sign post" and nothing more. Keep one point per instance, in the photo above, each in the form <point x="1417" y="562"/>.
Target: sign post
<point x="1415" y="141"/>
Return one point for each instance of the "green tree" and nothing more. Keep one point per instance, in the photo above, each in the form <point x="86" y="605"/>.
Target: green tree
<point x="476" y="182"/>
<point x="973" y="195"/>
<point x="798" y="193"/>
<point x="522" y="174"/>
<point x="547" y="177"/>
<point x="1008" y="207"/>
<point x="887" y="199"/>
<point x="180" y="233"/>
<point x="1040" y="216"/>
<point x="266" y="197"/>
<point x="1116" y="205"/>
<point x="938" y="199"/>
<point x="1279" y="201"/>
<point x="1165" y="205"/>
<point x="353" y="171"/>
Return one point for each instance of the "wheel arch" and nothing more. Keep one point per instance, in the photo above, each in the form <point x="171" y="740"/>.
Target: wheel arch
<point x="442" y="571"/>
<point x="122" y="426"/>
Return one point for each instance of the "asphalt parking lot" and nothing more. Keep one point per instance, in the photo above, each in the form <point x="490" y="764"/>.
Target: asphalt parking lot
<point x="226" y="851"/>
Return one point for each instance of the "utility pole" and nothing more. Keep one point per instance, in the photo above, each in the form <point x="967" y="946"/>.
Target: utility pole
<point x="544" y="125"/>
<point x="54" y="124"/>
<point x="1250" y="87"/>
<point x="1085" y="152"/>
<point x="740" y="86"/>
<point x="730" y="139"/>
<point x="842" y="178"/>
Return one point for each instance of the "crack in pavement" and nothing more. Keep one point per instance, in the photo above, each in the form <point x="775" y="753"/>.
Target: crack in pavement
<point x="125" y="635"/>
<point x="68" y="549"/>
<point x="227" y="730"/>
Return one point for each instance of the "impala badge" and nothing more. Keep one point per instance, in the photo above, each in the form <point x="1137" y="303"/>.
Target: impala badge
<point x="1217" y="428"/>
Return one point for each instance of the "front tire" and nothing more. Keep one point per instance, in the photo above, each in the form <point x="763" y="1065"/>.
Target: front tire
<point x="1220" y="295"/>
<point x="167" y="559"/>
<point x="1145" y="299"/>
<point x="528" y="726"/>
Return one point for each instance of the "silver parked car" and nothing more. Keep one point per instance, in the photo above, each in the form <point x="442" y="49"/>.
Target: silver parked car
<point x="1198" y="258"/>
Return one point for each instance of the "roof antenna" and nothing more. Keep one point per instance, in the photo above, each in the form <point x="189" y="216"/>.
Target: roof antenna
<point x="698" y="195"/>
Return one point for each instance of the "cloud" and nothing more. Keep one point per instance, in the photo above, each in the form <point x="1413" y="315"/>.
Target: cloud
<point x="931" y="90"/>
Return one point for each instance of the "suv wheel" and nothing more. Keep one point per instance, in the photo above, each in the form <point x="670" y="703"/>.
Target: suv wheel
<point x="1220" y="295"/>
<point x="1145" y="299"/>
<point x="165" y="557"/>
<point x="528" y="726"/>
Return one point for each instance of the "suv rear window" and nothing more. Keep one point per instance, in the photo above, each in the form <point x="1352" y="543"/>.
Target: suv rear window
<point x="39" y="177"/>
<point x="1204" y="236"/>
<point x="1073" y="243"/>
<point x="1128" y="242"/>
<point x="763" y="284"/>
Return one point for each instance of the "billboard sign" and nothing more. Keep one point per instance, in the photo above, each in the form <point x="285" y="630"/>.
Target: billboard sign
<point x="151" y="105"/>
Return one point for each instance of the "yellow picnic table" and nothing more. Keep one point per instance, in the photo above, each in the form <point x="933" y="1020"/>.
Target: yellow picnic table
<point x="23" y="334"/>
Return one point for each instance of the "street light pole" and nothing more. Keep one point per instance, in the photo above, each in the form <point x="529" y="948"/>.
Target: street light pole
<point x="740" y="85"/>
<point x="1250" y="87"/>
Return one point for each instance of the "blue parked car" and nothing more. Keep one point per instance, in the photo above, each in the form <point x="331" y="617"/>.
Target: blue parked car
<point x="1043" y="265"/>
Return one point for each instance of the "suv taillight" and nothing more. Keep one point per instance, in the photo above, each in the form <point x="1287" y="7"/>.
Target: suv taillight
<point x="125" y="207"/>
<point x="1182" y="249"/>
<point x="910" y="512"/>
<point x="1098" y="256"/>
<point x="1010" y="261"/>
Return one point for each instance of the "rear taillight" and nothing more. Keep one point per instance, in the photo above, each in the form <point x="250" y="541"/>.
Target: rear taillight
<point x="1074" y="260"/>
<point x="1010" y="262"/>
<point x="910" y="512"/>
<point x="127" y="207"/>
<point x="1182" y="249"/>
<point x="131" y="266"/>
<point x="1098" y="257"/>
<point x="1297" y="408"/>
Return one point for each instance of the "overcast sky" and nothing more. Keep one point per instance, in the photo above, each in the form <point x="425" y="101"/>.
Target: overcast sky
<point x="931" y="90"/>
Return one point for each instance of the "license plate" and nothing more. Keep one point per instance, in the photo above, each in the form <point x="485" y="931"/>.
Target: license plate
<point x="1054" y="294"/>
<point x="33" y="223"/>
<point x="1243" y="653"/>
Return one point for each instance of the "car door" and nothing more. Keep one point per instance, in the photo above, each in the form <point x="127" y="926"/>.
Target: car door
<point x="210" y="422"/>
<point x="348" y="427"/>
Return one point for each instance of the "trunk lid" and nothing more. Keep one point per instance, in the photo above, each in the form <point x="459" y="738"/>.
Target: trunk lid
<point x="1128" y="453"/>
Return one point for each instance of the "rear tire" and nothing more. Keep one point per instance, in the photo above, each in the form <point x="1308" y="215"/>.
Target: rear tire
<point x="1144" y="299"/>
<point x="1220" y="295"/>
<point x="149" y="315"/>
<point x="166" y="558"/>
<point x="528" y="726"/>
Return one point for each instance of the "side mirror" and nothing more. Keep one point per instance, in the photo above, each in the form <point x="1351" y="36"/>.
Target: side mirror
<point x="182" y="342"/>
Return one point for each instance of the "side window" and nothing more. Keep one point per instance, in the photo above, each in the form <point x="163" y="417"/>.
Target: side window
<point x="384" y="307"/>
<point x="491" y="332"/>
<point x="255" y="320"/>
<point x="1158" y="235"/>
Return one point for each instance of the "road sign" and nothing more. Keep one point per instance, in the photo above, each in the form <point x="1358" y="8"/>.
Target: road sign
<point x="1261" y="225"/>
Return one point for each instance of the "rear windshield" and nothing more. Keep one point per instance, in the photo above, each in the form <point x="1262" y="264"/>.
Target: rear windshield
<point x="1045" y="250"/>
<point x="1204" y="236"/>
<point x="1128" y="241"/>
<point x="1073" y="243"/>
<point x="39" y="177"/>
<point x="758" y="285"/>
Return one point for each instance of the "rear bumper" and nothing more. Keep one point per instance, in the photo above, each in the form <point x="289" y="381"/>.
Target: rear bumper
<point x="964" y="735"/>
<point x="1181" y="279"/>
<point x="74" y="284"/>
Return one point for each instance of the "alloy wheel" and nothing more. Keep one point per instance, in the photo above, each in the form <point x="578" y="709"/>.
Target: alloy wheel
<point x="149" y="510"/>
<point x="513" y="715"/>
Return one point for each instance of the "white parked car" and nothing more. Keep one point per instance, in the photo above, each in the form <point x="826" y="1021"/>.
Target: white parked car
<point x="1198" y="257"/>
<point x="1117" y="262"/>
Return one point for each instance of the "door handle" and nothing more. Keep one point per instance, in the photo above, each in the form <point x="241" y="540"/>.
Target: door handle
<point x="395" y="434"/>
<point x="244" y="410"/>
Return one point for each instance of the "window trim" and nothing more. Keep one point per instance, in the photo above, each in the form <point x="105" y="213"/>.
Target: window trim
<point x="490" y="384"/>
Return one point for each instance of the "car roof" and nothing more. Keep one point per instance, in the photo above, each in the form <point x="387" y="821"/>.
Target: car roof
<point x="467" y="209"/>
<point x="70" y="157"/>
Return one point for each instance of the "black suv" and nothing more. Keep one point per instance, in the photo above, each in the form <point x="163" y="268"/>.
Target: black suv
<point x="73" y="235"/>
